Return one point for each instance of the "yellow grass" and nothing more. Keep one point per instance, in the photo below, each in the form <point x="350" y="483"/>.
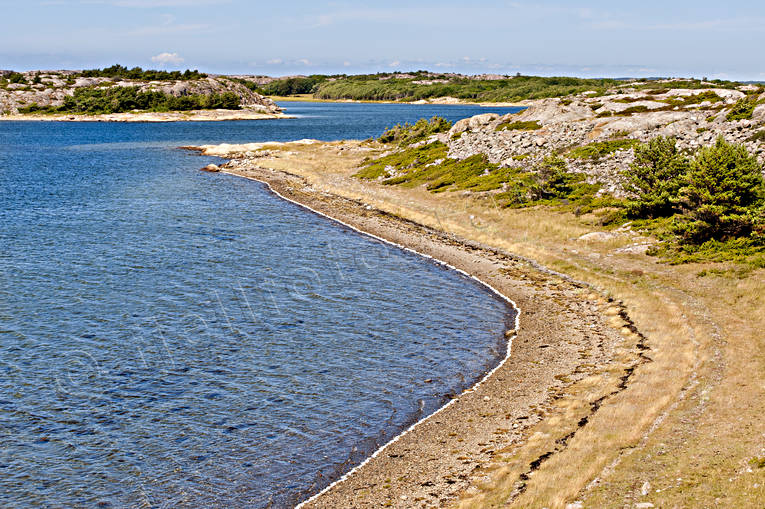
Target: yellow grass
<point x="690" y="425"/>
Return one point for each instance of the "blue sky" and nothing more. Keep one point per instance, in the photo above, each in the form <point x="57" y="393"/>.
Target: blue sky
<point x="582" y="38"/>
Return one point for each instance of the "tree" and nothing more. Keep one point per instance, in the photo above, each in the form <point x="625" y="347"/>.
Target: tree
<point x="553" y="179"/>
<point x="723" y="194"/>
<point x="655" y="178"/>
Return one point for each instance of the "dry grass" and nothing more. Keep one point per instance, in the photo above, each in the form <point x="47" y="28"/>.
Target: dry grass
<point x="689" y="422"/>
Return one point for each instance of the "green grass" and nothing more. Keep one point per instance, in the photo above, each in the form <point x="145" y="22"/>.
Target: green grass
<point x="599" y="149"/>
<point x="684" y="101"/>
<point x="429" y="166"/>
<point x="742" y="110"/>
<point x="403" y="160"/>
<point x="519" y="125"/>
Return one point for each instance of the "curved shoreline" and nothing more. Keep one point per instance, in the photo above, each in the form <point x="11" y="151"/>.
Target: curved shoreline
<point x="443" y="457"/>
<point x="509" y="335"/>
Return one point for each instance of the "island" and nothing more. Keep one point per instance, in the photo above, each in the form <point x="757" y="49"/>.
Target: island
<point x="119" y="94"/>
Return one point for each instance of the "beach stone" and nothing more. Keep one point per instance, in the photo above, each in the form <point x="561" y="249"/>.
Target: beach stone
<point x="636" y="249"/>
<point x="643" y="505"/>
<point x="645" y="489"/>
<point x="213" y="168"/>
<point x="481" y="120"/>
<point x="575" y="505"/>
<point x="596" y="236"/>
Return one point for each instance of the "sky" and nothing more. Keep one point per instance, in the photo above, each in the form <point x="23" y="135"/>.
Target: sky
<point x="587" y="38"/>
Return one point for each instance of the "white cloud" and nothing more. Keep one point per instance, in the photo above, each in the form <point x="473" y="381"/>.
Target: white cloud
<point x="346" y="64"/>
<point x="395" y="63"/>
<point x="167" y="58"/>
<point x="275" y="61"/>
<point x="303" y="61"/>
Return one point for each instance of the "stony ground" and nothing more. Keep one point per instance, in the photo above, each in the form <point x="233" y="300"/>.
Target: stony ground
<point x="579" y="120"/>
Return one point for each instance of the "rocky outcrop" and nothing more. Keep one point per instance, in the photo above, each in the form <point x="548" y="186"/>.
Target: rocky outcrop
<point x="53" y="87"/>
<point x="579" y="120"/>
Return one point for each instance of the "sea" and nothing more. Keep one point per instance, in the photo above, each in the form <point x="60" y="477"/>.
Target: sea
<point x="176" y="338"/>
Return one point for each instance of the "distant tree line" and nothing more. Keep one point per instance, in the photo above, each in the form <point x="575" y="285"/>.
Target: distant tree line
<point x="293" y="86"/>
<point x="137" y="73"/>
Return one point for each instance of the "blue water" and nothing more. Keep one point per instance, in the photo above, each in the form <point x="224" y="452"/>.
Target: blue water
<point x="173" y="338"/>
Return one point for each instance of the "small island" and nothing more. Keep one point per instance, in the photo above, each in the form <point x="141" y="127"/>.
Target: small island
<point x="119" y="94"/>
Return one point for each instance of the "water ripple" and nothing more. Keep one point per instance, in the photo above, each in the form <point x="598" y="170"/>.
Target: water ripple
<point x="172" y="338"/>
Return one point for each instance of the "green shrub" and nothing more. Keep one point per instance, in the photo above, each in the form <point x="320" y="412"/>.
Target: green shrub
<point x="598" y="149"/>
<point x="655" y="178"/>
<point x="97" y="100"/>
<point x="742" y="110"/>
<point x="293" y="86"/>
<point x="388" y="88"/>
<point x="136" y="73"/>
<point x="519" y="125"/>
<point x="408" y="134"/>
<point x="553" y="179"/>
<point x="16" y="77"/>
<point x="547" y="182"/>
<point x="723" y="194"/>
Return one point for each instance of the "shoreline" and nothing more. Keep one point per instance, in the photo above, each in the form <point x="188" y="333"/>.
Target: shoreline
<point x="441" y="101"/>
<point x="510" y="334"/>
<point x="170" y="116"/>
<point x="435" y="477"/>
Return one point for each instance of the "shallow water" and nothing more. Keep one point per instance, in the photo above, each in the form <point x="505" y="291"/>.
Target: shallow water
<point x="170" y="337"/>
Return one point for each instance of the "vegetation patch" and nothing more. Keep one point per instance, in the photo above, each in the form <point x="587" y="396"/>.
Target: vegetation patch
<point x="16" y="77"/>
<point x="408" y="134"/>
<point x="136" y="73"/>
<point x="290" y="86"/>
<point x="548" y="182"/>
<point x="424" y="85"/>
<point x="758" y="136"/>
<point x="660" y="87"/>
<point x="402" y="160"/>
<point x="684" y="101"/>
<point x="742" y="110"/>
<point x="598" y="149"/>
<point x="97" y="100"/>
<point x="709" y="207"/>
<point x="519" y="125"/>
